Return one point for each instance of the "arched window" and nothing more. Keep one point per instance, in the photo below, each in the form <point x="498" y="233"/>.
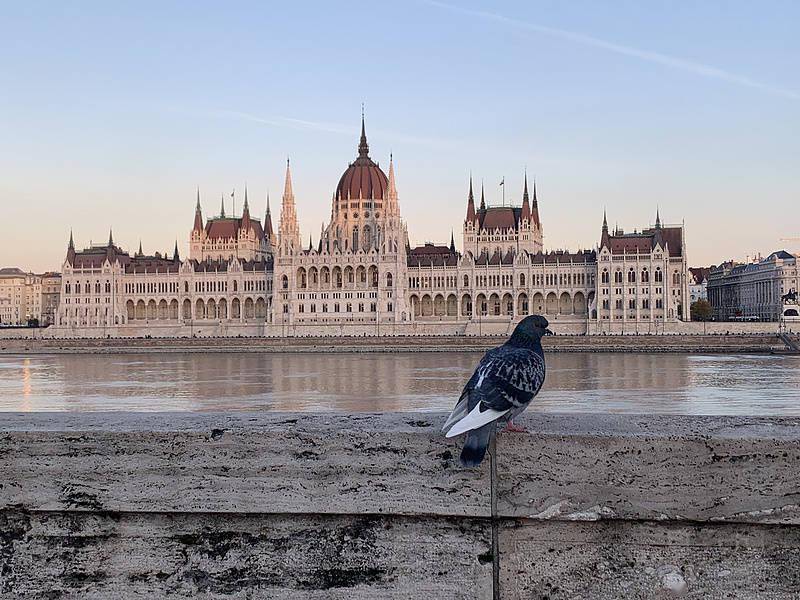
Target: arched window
<point x="617" y="276"/>
<point x="285" y="282"/>
<point x="367" y="237"/>
<point x="389" y="280"/>
<point x="235" y="285"/>
<point x="659" y="275"/>
<point x="354" y="245"/>
<point x="645" y="276"/>
<point x="522" y="279"/>
<point x="604" y="276"/>
<point x="466" y="280"/>
<point x="631" y="276"/>
<point x="676" y="278"/>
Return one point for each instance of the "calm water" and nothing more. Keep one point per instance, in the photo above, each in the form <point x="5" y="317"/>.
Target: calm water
<point x="631" y="383"/>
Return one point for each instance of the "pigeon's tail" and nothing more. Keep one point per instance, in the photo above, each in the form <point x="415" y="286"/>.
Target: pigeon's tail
<point x="475" y="445"/>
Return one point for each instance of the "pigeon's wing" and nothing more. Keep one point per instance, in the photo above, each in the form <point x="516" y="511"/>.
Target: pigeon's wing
<point x="505" y="381"/>
<point x="463" y="406"/>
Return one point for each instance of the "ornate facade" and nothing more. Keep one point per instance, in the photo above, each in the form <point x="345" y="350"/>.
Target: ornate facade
<point x="363" y="276"/>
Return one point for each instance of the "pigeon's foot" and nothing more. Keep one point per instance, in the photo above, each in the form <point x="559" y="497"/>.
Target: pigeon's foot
<point x="514" y="428"/>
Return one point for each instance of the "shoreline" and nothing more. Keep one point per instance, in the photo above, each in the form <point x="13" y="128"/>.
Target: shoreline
<point x="671" y="343"/>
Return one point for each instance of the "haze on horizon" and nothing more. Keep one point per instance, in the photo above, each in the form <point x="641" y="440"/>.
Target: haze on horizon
<point x="113" y="116"/>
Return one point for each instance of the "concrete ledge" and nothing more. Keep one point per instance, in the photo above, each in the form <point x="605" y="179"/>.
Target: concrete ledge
<point x="118" y="505"/>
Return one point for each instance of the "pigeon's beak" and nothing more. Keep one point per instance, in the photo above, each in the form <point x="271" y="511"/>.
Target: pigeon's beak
<point x="548" y="332"/>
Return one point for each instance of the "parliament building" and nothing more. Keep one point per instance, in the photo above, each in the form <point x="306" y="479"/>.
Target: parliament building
<point x="243" y="277"/>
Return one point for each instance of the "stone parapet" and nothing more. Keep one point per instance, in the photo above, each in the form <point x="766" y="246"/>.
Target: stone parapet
<point x="120" y="505"/>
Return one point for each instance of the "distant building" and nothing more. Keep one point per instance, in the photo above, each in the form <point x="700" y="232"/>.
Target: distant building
<point x="698" y="283"/>
<point x="363" y="277"/>
<point x="753" y="291"/>
<point x="27" y="297"/>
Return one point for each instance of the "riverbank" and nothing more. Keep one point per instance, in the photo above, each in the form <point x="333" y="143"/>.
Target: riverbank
<point x="377" y="507"/>
<point x="707" y="344"/>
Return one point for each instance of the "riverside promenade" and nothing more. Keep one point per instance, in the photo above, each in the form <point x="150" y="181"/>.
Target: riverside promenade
<point x="122" y="505"/>
<point x="712" y="343"/>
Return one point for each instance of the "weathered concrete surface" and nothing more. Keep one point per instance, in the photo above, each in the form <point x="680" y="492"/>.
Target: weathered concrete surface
<point x="179" y="462"/>
<point x="589" y="467"/>
<point x="648" y="560"/>
<point x="375" y="506"/>
<point x="101" y="556"/>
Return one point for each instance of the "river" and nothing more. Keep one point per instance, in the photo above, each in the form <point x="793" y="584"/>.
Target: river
<point x="576" y="382"/>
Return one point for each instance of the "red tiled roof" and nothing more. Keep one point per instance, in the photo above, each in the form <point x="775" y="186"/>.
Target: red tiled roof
<point x="228" y="227"/>
<point x="499" y="217"/>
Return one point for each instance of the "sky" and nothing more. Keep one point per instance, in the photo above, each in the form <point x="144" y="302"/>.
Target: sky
<point x="113" y="114"/>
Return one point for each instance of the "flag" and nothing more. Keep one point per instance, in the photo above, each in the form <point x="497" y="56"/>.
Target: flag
<point x="503" y="181"/>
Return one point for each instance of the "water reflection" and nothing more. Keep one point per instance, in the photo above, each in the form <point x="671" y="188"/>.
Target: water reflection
<point x="586" y="382"/>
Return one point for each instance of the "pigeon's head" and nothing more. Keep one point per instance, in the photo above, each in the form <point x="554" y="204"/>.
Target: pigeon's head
<point x="530" y="331"/>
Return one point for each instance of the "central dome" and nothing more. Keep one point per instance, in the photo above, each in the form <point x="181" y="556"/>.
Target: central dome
<point x="363" y="178"/>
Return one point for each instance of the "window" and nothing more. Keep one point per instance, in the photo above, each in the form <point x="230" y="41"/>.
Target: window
<point x="285" y="282"/>
<point x="645" y="276"/>
<point x="466" y="280"/>
<point x="631" y="276"/>
<point x="604" y="276"/>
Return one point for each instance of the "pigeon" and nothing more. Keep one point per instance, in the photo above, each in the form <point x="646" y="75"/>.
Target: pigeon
<point x="502" y="386"/>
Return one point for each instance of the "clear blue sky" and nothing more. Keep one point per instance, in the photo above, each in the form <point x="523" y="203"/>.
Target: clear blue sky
<point x="113" y="113"/>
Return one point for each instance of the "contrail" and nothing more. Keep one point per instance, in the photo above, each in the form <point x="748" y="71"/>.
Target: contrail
<point x="653" y="57"/>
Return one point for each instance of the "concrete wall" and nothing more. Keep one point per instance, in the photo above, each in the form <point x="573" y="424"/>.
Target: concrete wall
<point x="376" y="506"/>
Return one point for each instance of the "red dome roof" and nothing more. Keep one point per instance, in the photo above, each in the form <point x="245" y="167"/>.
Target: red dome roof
<point x="363" y="178"/>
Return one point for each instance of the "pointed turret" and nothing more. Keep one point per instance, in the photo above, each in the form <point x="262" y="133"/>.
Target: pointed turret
<point x="71" y="249"/>
<point x="198" y="214"/>
<point x="658" y="219"/>
<point x="245" y="214"/>
<point x="110" y="237"/>
<point x="525" y="215"/>
<point x="289" y="230"/>
<point x="483" y="199"/>
<point x="392" y="188"/>
<point x="222" y="206"/>
<point x="269" y="233"/>
<point x="452" y="242"/>
<point x="175" y="255"/>
<point x="139" y="252"/>
<point x="470" y="202"/>
<point x="310" y="244"/>
<point x="535" y="209"/>
<point x="363" y="146"/>
<point x="604" y="235"/>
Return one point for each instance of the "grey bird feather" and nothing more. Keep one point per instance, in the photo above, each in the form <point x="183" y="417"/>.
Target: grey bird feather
<point x="504" y="383"/>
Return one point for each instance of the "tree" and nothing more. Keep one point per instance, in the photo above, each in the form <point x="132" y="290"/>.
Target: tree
<point x="700" y="310"/>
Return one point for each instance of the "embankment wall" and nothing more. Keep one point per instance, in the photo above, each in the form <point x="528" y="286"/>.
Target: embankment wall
<point x="296" y="506"/>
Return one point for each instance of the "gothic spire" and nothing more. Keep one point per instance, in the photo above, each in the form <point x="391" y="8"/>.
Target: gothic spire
<point x="289" y="230"/>
<point x="363" y="146"/>
<point x="198" y="214"/>
<point x="222" y="206"/>
<point x="110" y="237"/>
<point x="658" y="219"/>
<point x="470" y="202"/>
<point x="140" y="253"/>
<point x="246" y="208"/>
<point x="71" y="248"/>
<point x="175" y="256"/>
<point x="535" y="210"/>
<point x="452" y="242"/>
<point x="392" y="188"/>
<point x="71" y="241"/>
<point x="526" y="206"/>
<point x="483" y="200"/>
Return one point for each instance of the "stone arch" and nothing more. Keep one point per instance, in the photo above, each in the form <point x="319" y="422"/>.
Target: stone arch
<point x="579" y="304"/>
<point x="313" y="277"/>
<point x="372" y="276"/>
<point x="522" y="280"/>
<point x="337" y="276"/>
<point x="565" y="304"/>
<point x="349" y="276"/>
<point x="482" y="305"/>
<point x="173" y="309"/>
<point x="389" y="280"/>
<point x="494" y="305"/>
<point x="466" y="280"/>
<point x="284" y="282"/>
<point x="211" y="309"/>
<point x="249" y="308"/>
<point x="439" y="308"/>
<point x="236" y="309"/>
<point x="325" y="276"/>
<point x="361" y="275"/>
<point x="187" y="309"/>
<point x="538" y="304"/>
<point x="507" y="305"/>
<point x="523" y="307"/>
<point x="222" y="308"/>
<point x="163" y="310"/>
<point x="466" y="305"/>
<point x="302" y="278"/>
<point x="152" y="310"/>
<point x="551" y="304"/>
<point x="130" y="310"/>
<point x="261" y="308"/>
<point x="427" y="306"/>
<point x="452" y="306"/>
<point x="200" y="309"/>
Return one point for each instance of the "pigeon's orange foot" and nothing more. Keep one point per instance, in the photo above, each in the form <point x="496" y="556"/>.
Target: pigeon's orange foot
<point x="514" y="428"/>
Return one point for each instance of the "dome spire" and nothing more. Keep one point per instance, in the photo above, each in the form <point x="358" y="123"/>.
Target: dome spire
<point x="363" y="146"/>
